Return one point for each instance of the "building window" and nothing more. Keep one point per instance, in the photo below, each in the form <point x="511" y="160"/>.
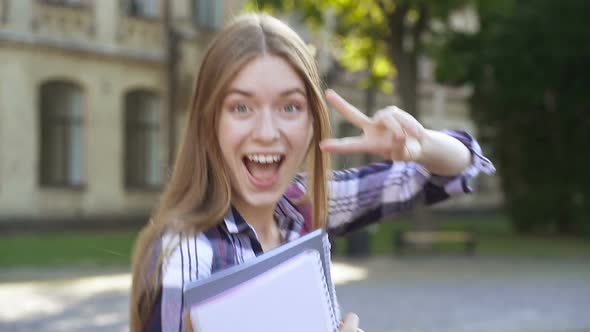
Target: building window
<point x="142" y="140"/>
<point x="208" y="14"/>
<point x="61" y="134"/>
<point x="141" y="8"/>
<point x="71" y="3"/>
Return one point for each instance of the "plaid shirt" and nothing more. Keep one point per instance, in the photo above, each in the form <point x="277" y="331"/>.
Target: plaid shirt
<point x="357" y="197"/>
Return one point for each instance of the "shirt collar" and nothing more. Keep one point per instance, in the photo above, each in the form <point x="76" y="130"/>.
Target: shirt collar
<point x="234" y="221"/>
<point x="287" y="215"/>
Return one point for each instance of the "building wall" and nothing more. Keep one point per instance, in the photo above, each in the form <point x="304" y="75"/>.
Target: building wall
<point x="103" y="85"/>
<point x="109" y="54"/>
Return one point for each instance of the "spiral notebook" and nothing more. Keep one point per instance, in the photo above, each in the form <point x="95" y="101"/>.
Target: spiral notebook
<point x="286" y="289"/>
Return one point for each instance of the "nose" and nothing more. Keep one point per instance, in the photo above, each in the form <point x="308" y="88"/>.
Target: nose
<point x="266" y="129"/>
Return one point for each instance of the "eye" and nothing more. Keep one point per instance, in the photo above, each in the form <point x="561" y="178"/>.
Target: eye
<point x="291" y="108"/>
<point x="240" y="108"/>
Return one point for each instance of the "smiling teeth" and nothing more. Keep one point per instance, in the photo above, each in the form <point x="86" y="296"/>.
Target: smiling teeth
<point x="264" y="159"/>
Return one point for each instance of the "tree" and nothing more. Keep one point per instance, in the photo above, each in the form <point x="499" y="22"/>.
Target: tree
<point x="384" y="37"/>
<point x="529" y="68"/>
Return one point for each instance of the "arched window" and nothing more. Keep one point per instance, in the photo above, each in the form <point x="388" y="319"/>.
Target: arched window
<point x="142" y="140"/>
<point x="61" y="134"/>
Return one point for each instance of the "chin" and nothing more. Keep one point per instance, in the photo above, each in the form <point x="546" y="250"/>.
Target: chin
<point x="263" y="199"/>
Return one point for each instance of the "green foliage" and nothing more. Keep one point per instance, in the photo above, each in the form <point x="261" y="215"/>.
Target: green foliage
<point x="529" y="68"/>
<point x="371" y="35"/>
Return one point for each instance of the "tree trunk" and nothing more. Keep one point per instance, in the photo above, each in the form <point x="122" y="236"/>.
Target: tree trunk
<point x="407" y="86"/>
<point x="359" y="241"/>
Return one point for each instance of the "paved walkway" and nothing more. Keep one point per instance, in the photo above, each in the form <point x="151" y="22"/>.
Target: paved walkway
<point x="465" y="295"/>
<point x="415" y="294"/>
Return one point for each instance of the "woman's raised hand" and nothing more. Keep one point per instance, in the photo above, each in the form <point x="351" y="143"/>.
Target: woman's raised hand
<point x="391" y="133"/>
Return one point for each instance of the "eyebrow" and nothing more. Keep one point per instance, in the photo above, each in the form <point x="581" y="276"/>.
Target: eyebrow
<point x="250" y="94"/>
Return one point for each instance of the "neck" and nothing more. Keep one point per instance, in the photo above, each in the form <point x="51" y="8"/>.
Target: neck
<point x="262" y="220"/>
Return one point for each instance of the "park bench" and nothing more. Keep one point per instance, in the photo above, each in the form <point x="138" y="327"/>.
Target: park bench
<point x="425" y="239"/>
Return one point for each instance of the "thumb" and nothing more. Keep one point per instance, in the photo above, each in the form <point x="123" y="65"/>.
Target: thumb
<point x="350" y="323"/>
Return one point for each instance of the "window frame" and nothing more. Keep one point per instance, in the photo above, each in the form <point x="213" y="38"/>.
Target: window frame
<point x="134" y="126"/>
<point x="65" y="124"/>
<point x="68" y="3"/>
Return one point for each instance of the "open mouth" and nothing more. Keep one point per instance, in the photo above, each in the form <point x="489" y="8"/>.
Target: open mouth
<point x="263" y="169"/>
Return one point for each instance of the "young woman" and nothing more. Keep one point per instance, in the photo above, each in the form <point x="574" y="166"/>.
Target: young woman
<point x="257" y="115"/>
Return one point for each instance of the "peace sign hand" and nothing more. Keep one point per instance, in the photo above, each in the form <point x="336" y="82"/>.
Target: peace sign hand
<point x="391" y="133"/>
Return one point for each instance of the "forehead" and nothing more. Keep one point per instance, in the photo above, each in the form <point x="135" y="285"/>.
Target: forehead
<point x="267" y="74"/>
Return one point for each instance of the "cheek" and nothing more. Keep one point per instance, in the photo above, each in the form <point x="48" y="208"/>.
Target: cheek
<point x="301" y="136"/>
<point x="229" y="136"/>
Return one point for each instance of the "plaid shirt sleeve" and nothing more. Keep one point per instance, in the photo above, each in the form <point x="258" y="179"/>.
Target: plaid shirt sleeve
<point x="189" y="260"/>
<point x="364" y="195"/>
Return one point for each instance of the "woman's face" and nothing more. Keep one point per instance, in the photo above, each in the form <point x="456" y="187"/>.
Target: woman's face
<point x="264" y="130"/>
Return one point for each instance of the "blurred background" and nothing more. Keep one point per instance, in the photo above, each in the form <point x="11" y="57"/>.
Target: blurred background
<point x="93" y="104"/>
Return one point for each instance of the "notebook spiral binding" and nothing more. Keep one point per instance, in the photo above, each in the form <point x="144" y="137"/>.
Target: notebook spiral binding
<point x="335" y="312"/>
<point x="326" y="291"/>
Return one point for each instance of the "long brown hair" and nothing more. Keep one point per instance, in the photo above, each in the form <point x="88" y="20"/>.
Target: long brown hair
<point x="198" y="194"/>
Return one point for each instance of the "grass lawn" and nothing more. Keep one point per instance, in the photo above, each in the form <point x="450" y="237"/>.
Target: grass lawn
<point x="494" y="238"/>
<point x="75" y="248"/>
<point x="494" y="235"/>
